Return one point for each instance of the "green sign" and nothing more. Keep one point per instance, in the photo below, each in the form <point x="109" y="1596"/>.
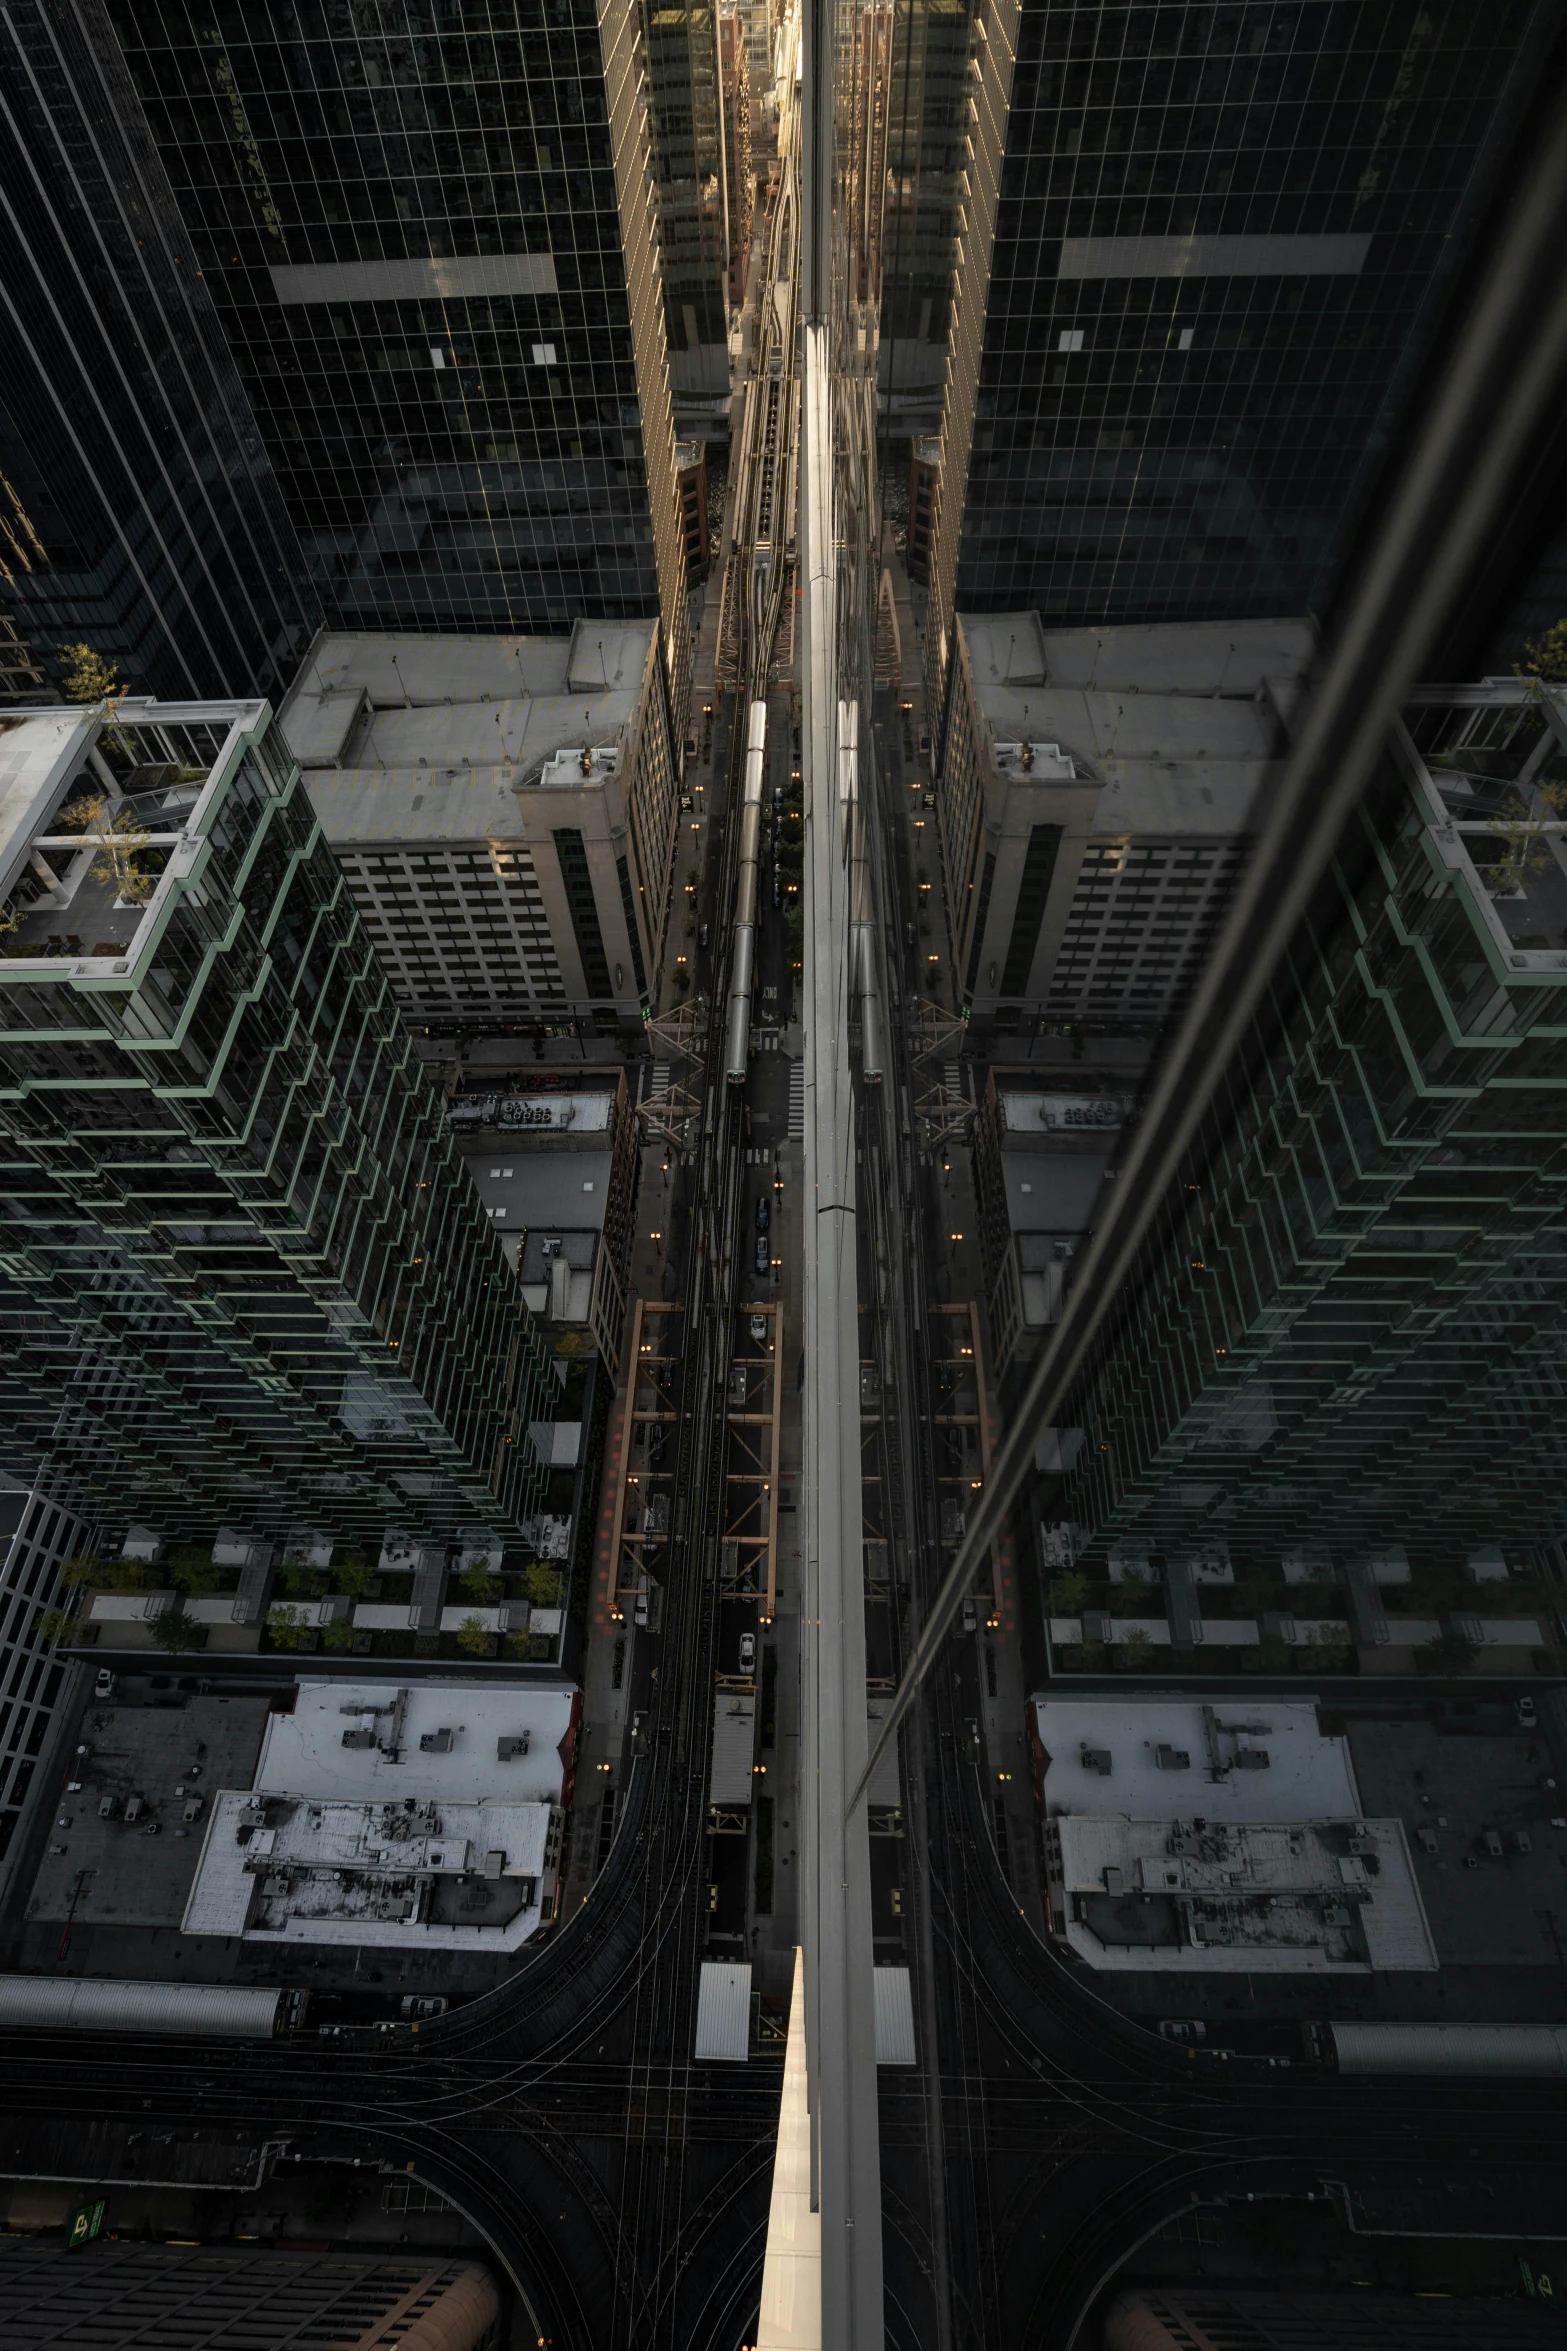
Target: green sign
<point x="83" y="2224"/>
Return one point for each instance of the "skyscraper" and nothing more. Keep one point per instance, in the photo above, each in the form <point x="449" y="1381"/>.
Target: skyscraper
<point x="248" y="1279"/>
<point x="138" y="508"/>
<point x="926" y="158"/>
<point x="690" y="127"/>
<point x="1192" y="284"/>
<point x="1354" y="1334"/>
<point x="432" y="245"/>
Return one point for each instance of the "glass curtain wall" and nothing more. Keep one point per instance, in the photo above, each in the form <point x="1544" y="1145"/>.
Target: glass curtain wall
<point x="249" y="1280"/>
<point x="1216" y="236"/>
<point x="139" y="511"/>
<point x="410" y="223"/>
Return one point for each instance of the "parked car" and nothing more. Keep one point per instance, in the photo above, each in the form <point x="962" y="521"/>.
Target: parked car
<point x="748" y="1652"/>
<point x="1528" y="1720"/>
<point x="103" y="1687"/>
<point x="764" y="1254"/>
<point x="970" y="1617"/>
<point x="764" y="1213"/>
<point x="703" y="936"/>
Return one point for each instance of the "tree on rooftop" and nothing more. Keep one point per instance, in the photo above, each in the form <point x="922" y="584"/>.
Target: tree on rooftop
<point x="89" y="678"/>
<point x="86" y="1568"/>
<point x="193" y="1570"/>
<point x="172" y="1629"/>
<point x="290" y="1628"/>
<point x="1546" y="657"/>
<point x="473" y="1637"/>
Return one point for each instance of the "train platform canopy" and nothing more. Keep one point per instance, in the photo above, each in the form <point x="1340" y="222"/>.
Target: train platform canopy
<point x="723" y="2014"/>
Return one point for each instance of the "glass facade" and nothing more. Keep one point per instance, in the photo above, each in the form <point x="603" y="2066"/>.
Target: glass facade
<point x="248" y="1279"/>
<point x="1217" y="235"/>
<point x="688" y="126"/>
<point x="139" y="512"/>
<point x="926" y="157"/>
<point x="422" y="229"/>
<point x="1355" y="1333"/>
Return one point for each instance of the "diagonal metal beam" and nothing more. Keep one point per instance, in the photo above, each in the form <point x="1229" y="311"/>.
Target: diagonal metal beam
<point x="840" y="2018"/>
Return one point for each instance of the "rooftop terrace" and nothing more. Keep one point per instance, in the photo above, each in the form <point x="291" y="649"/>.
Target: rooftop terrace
<point x="100" y="814"/>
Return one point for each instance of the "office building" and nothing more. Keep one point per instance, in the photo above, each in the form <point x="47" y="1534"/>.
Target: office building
<point x="378" y="1819"/>
<point x="693" y="98"/>
<point x="1202" y="253"/>
<point x="556" y="1167"/>
<point x="1040" y="1155"/>
<point x="435" y="256"/>
<point x="249" y="1284"/>
<point x="1351" y="1337"/>
<point x="735" y="77"/>
<point x="505" y="812"/>
<point x="1098" y="791"/>
<point x="1279" y="1896"/>
<point x="139" y="509"/>
<point x="927" y="154"/>
<point x="120" y="2291"/>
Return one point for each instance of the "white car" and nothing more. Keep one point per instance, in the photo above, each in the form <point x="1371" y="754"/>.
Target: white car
<point x="748" y="1652"/>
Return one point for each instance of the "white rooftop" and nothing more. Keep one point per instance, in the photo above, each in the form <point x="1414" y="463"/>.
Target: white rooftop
<point x="1198" y="657"/>
<point x="1178" y="722"/>
<point x="1307" y="1776"/>
<point x="389" y="1873"/>
<point x="303" y="1753"/>
<point x="1025" y="1114"/>
<point x="407" y="739"/>
<point x="1285" y="1895"/>
<point x="534" y="1114"/>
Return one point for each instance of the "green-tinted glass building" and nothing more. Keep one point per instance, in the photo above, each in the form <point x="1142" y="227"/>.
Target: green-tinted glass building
<point x="1358" y="1331"/>
<point x="246" y="1280"/>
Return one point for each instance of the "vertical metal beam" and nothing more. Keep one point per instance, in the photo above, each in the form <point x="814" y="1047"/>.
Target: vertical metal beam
<point x="816" y="155"/>
<point x="841" y="2029"/>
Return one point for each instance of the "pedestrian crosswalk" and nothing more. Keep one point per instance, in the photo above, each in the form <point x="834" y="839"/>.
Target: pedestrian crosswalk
<point x="796" y="1101"/>
<point x="658" y="1082"/>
